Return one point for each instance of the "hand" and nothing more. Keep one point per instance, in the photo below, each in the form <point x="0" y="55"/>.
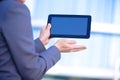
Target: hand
<point x="45" y="34"/>
<point x="68" y="46"/>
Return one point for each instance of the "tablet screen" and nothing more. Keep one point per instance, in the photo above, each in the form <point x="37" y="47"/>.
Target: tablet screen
<point x="70" y="26"/>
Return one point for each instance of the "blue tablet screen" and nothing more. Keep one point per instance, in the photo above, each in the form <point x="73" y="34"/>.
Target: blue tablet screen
<point x="70" y="26"/>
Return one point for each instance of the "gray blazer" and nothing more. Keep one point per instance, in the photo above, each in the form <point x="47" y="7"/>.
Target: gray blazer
<point x="21" y="57"/>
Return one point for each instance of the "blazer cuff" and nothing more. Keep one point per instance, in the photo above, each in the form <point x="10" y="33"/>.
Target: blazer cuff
<point x="39" y="47"/>
<point x="51" y="56"/>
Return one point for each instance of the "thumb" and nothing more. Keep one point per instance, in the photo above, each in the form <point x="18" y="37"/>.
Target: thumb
<point x="48" y="26"/>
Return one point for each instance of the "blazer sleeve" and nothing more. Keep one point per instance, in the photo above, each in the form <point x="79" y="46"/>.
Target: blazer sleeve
<point x="39" y="47"/>
<point x="19" y="38"/>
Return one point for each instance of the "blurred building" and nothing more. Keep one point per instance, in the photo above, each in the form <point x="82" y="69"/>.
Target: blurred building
<point x="103" y="47"/>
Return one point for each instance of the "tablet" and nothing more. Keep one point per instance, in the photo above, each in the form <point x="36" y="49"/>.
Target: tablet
<point x="70" y="26"/>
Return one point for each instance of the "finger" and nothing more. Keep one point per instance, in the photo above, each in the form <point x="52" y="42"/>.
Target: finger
<point x="72" y="44"/>
<point x="71" y="41"/>
<point x="48" y="26"/>
<point x="76" y="50"/>
<point x="78" y="47"/>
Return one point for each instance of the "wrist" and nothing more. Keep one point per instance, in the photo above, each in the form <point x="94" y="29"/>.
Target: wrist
<point x="56" y="45"/>
<point x="42" y="40"/>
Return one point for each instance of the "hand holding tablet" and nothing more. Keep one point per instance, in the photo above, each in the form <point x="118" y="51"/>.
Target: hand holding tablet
<point x="70" y="26"/>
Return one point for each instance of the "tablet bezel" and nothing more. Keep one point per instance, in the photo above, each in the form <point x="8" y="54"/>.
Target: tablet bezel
<point x="72" y="16"/>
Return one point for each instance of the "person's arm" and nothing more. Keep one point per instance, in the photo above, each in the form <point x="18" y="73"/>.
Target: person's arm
<point x="39" y="46"/>
<point x="18" y="34"/>
<point x="43" y="38"/>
